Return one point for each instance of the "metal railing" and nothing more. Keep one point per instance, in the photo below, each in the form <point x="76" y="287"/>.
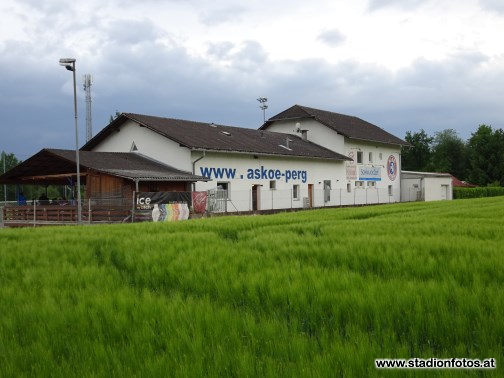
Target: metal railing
<point x="94" y="211"/>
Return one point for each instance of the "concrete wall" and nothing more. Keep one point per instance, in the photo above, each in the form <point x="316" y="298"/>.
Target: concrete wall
<point x="425" y="187"/>
<point x="149" y="144"/>
<point x="316" y="133"/>
<point x="438" y="189"/>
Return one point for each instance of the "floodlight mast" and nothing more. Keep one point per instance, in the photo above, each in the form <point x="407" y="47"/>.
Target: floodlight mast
<point x="263" y="106"/>
<point x="69" y="64"/>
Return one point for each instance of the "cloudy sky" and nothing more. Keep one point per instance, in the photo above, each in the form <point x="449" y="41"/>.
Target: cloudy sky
<point x="400" y="64"/>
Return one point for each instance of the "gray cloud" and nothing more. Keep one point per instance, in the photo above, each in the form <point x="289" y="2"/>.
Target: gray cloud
<point x="492" y="5"/>
<point x="332" y="37"/>
<point x="222" y="15"/>
<point x="131" y="31"/>
<point x="138" y="67"/>
<point x="404" y="4"/>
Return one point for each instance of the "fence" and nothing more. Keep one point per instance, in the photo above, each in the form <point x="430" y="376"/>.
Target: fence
<point x="93" y="211"/>
<point x="261" y="200"/>
<point x="127" y="210"/>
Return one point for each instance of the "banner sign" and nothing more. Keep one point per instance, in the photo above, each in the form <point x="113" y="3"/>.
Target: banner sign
<point x="351" y="171"/>
<point x="392" y="167"/>
<point x="147" y="200"/>
<point x="163" y="206"/>
<point x="369" y="173"/>
<point x="199" y="202"/>
<point x="351" y="168"/>
<point x="170" y="212"/>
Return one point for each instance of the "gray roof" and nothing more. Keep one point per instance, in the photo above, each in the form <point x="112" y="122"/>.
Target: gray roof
<point x="212" y="137"/>
<point x="49" y="164"/>
<point x="348" y="126"/>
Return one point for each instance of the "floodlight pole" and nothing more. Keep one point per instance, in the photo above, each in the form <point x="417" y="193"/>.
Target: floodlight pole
<point x="5" y="185"/>
<point x="69" y="64"/>
<point x="263" y="101"/>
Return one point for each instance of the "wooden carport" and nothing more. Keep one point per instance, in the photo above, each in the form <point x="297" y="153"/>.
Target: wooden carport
<point x="110" y="180"/>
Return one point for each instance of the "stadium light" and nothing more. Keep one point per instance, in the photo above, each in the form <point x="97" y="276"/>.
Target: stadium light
<point x="69" y="64"/>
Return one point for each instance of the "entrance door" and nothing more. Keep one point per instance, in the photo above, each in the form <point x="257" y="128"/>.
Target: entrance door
<point x="310" y="194"/>
<point x="444" y="192"/>
<point x="255" y="197"/>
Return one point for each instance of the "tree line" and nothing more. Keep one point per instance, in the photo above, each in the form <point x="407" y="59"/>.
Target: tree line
<point x="479" y="160"/>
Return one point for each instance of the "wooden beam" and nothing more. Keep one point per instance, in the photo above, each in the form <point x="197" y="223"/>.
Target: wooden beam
<point x="45" y="177"/>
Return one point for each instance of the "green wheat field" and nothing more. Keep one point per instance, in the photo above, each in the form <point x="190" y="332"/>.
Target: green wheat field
<point x="319" y="293"/>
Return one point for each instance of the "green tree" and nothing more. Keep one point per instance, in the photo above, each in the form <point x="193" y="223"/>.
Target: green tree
<point x="7" y="162"/>
<point x="486" y="157"/>
<point x="449" y="154"/>
<point x="417" y="157"/>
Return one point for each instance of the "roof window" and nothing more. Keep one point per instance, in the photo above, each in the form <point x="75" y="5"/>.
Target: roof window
<point x="225" y="133"/>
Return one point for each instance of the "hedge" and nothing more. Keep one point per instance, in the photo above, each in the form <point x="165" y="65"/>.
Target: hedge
<point x="490" y="191"/>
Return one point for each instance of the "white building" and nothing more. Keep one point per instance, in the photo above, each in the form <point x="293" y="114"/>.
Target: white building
<point x="426" y="186"/>
<point x="302" y="157"/>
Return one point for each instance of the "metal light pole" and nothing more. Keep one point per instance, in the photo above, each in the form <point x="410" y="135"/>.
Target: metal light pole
<point x="263" y="106"/>
<point x="69" y="64"/>
<point x="4" y="156"/>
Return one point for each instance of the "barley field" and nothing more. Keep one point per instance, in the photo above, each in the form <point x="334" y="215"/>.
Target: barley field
<point x="319" y="293"/>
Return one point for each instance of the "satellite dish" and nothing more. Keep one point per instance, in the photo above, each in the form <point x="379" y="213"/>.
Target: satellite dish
<point x="298" y="127"/>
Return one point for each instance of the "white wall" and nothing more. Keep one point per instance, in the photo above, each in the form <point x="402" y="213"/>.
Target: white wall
<point x="243" y="171"/>
<point x="148" y="143"/>
<point x="380" y="157"/>
<point x="317" y="133"/>
<point x="324" y="136"/>
<point x="425" y="188"/>
<point x="411" y="189"/>
<point x="438" y="188"/>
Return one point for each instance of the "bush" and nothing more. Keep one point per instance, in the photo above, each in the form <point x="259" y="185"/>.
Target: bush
<point x="491" y="191"/>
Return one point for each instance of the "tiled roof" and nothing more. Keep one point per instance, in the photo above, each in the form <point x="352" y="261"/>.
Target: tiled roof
<point x="212" y="137"/>
<point x="348" y="126"/>
<point x="51" y="163"/>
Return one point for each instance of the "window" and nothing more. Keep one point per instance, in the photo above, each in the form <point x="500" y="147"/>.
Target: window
<point x="381" y="156"/>
<point x="359" y="184"/>
<point x="272" y="184"/>
<point x="295" y="192"/>
<point x="390" y="192"/>
<point x="370" y="157"/>
<point x="371" y="184"/>
<point x="349" y="188"/>
<point x="359" y="157"/>
<point x="223" y="190"/>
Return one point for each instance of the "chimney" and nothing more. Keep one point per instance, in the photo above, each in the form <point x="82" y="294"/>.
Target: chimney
<point x="304" y="134"/>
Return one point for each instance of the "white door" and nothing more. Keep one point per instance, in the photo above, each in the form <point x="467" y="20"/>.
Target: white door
<point x="444" y="192"/>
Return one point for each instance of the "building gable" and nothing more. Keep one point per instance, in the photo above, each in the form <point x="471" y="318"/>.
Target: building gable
<point x="348" y="126"/>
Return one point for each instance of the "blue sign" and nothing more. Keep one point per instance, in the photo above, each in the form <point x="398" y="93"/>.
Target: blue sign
<point x="369" y="173"/>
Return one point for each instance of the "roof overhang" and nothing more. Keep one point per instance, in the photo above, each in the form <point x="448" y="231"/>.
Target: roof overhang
<point x="412" y="174"/>
<point x="58" y="167"/>
<point x="338" y="158"/>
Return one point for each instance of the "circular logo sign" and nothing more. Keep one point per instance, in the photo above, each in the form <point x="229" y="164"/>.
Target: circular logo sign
<point x="351" y="156"/>
<point x="392" y="167"/>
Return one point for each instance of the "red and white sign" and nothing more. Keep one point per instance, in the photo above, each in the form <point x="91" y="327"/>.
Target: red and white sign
<point x="392" y="167"/>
